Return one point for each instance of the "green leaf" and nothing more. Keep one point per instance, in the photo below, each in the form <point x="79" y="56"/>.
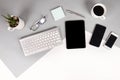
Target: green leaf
<point x="12" y="22"/>
<point x="5" y="17"/>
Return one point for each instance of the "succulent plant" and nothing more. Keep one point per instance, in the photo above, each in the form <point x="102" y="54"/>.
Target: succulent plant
<point x="12" y="20"/>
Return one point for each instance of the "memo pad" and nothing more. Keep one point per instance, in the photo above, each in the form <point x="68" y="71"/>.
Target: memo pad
<point x="57" y="13"/>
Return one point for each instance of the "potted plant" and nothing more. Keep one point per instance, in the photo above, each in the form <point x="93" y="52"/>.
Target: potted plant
<point x="14" y="22"/>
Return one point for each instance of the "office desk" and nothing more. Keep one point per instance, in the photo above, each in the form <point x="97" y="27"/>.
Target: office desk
<point x="31" y="10"/>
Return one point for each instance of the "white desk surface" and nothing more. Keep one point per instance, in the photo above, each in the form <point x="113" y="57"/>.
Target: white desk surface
<point x="31" y="10"/>
<point x="82" y="64"/>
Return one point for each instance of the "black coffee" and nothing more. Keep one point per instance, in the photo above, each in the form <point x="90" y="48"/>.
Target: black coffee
<point x="98" y="10"/>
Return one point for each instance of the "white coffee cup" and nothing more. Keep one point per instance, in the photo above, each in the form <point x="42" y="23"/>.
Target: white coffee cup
<point x="18" y="27"/>
<point x="98" y="11"/>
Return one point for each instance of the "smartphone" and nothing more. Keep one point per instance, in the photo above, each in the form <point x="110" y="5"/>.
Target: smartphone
<point x="110" y="41"/>
<point x="75" y="34"/>
<point x="97" y="35"/>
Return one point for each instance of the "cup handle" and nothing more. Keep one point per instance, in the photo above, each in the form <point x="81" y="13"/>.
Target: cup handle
<point x="11" y="29"/>
<point x="103" y="18"/>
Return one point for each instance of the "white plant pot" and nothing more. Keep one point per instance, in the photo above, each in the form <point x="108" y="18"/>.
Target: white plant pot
<point x="20" y="26"/>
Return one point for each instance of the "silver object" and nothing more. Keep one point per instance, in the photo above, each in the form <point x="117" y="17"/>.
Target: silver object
<point x="42" y="41"/>
<point x="72" y="12"/>
<point x="38" y="23"/>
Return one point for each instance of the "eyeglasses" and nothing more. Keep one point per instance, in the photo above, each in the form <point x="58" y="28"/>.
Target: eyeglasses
<point x="38" y="23"/>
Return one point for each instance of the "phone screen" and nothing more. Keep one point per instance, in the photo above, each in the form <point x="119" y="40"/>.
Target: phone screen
<point x="97" y="36"/>
<point x="75" y="34"/>
<point x="111" y="40"/>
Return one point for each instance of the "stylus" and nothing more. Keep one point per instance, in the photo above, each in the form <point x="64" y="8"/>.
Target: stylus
<point x="72" y="12"/>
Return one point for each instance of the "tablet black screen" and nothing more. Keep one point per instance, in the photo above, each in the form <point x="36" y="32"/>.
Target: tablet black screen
<point x="75" y="34"/>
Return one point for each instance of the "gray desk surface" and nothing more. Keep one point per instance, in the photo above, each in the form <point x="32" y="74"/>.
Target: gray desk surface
<point x="31" y="10"/>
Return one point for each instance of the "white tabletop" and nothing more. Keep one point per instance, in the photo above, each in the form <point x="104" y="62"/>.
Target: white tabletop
<point x="80" y="64"/>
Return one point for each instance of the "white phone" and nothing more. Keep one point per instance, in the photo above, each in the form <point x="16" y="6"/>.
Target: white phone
<point x="110" y="41"/>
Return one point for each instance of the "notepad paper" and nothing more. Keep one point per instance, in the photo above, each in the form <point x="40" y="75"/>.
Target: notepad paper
<point x="58" y="13"/>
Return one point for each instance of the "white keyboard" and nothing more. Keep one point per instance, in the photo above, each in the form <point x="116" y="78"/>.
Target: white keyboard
<point x="41" y="41"/>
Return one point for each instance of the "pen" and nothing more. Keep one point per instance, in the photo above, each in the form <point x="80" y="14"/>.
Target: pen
<point x="72" y="12"/>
